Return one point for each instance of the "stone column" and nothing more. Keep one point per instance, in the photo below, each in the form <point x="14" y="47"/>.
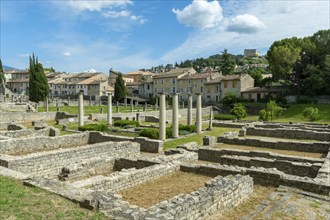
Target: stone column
<point x="131" y="104"/>
<point x="175" y="116"/>
<point x="211" y="118"/>
<point x="46" y="104"/>
<point x="90" y="100"/>
<point x="100" y="101"/>
<point x="137" y="117"/>
<point x="68" y="100"/>
<point x="101" y="110"/>
<point x="162" y="117"/>
<point x="145" y="106"/>
<point x="189" y="114"/>
<point x="12" y="98"/>
<point x="117" y="106"/>
<point x="183" y="104"/>
<point x="109" y="115"/>
<point x="136" y="103"/>
<point x="81" y="109"/>
<point x="199" y="113"/>
<point x="125" y="101"/>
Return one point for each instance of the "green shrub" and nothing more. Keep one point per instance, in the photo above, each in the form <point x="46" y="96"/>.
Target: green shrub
<point x="93" y="127"/>
<point x="239" y="110"/>
<point x="151" y="133"/>
<point x="230" y="99"/>
<point x="123" y="123"/>
<point x="169" y="133"/>
<point x="224" y="117"/>
<point x="311" y="113"/>
<point x="188" y="128"/>
<point x="271" y="111"/>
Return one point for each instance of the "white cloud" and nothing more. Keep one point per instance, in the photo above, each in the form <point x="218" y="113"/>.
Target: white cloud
<point x="200" y="13"/>
<point x="67" y="54"/>
<point x="116" y="14"/>
<point x="90" y="71"/>
<point x="98" y="5"/>
<point x="283" y="20"/>
<point x="245" y="23"/>
<point x="24" y="55"/>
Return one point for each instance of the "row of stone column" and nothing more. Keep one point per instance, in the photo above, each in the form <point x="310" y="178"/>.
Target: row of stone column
<point x="175" y="114"/>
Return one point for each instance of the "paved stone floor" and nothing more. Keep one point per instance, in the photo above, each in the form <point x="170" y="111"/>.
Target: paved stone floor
<point x="286" y="203"/>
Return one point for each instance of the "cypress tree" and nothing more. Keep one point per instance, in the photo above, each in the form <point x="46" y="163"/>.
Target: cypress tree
<point x="38" y="84"/>
<point x="2" y="79"/>
<point x="120" y="89"/>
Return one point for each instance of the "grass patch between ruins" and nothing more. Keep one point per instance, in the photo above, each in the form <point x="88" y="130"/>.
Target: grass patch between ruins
<point x="21" y="202"/>
<point x="216" y="131"/>
<point x="163" y="188"/>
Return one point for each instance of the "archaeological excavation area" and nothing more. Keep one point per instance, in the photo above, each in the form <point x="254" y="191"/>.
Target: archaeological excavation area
<point x="259" y="172"/>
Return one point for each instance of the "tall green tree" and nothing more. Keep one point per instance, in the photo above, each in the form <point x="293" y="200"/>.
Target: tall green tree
<point x="38" y="84"/>
<point x="227" y="63"/>
<point x="2" y="79"/>
<point x="120" y="89"/>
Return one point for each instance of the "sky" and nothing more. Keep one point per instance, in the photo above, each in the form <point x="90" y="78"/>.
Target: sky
<point x="126" y="35"/>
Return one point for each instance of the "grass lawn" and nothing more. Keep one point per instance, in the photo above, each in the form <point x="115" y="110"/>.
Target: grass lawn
<point x="295" y="114"/>
<point x="197" y="137"/>
<point x="91" y="109"/>
<point x="22" y="202"/>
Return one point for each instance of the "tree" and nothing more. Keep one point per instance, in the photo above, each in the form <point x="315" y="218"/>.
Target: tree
<point x="227" y="64"/>
<point x="271" y="111"/>
<point x="239" y="110"/>
<point x="120" y="89"/>
<point x="38" y="84"/>
<point x="230" y="98"/>
<point x="311" y="113"/>
<point x="2" y="79"/>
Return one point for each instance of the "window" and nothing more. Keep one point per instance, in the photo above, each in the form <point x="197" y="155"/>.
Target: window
<point x="217" y="88"/>
<point x="162" y="81"/>
<point x="202" y="81"/>
<point x="173" y="81"/>
<point x="234" y="84"/>
<point x="189" y="81"/>
<point x="162" y="90"/>
<point x="181" y="90"/>
<point x="173" y="90"/>
<point x="155" y="90"/>
<point x="224" y="84"/>
<point x="250" y="96"/>
<point x="148" y="87"/>
<point x="195" y="85"/>
<point x="201" y="89"/>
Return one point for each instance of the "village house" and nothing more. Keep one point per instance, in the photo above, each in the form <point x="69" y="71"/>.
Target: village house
<point x="217" y="88"/>
<point x="168" y="82"/>
<point x="139" y="76"/>
<point x="113" y="76"/>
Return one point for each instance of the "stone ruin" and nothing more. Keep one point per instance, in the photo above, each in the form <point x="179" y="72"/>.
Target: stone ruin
<point x="92" y="168"/>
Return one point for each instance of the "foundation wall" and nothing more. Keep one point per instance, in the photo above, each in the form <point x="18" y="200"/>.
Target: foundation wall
<point x="47" y="131"/>
<point x="51" y="163"/>
<point x="314" y="147"/>
<point x="289" y="133"/>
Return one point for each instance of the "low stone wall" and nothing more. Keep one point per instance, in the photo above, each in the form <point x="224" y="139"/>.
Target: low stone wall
<point x="126" y="178"/>
<point x="147" y="145"/>
<point x="289" y="167"/>
<point x="227" y="124"/>
<point x="86" y="168"/>
<point x="50" y="163"/>
<point x="289" y="133"/>
<point x="33" y="144"/>
<point x="219" y="195"/>
<point x="315" y="147"/>
<point x="125" y="163"/>
<point x="47" y="131"/>
<point x="10" y="117"/>
<point x="263" y="176"/>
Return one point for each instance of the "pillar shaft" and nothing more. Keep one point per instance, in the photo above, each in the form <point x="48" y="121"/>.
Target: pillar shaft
<point x="175" y="116"/>
<point x="189" y="114"/>
<point x="162" y="117"/>
<point x="109" y="115"/>
<point x="46" y="103"/>
<point x="199" y="112"/>
<point x="131" y="105"/>
<point x="68" y="100"/>
<point x="81" y="110"/>
<point x="211" y="119"/>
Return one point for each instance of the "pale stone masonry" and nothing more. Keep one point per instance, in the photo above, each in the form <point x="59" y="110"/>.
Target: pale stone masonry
<point x="162" y="117"/>
<point x="175" y="116"/>
<point x="81" y="110"/>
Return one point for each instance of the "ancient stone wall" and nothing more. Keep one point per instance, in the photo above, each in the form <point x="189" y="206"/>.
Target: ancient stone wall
<point x="47" y="131"/>
<point x="126" y="178"/>
<point x="289" y="167"/>
<point x="26" y="116"/>
<point x="289" y="133"/>
<point x="316" y="147"/>
<point x="29" y="145"/>
<point x="50" y="163"/>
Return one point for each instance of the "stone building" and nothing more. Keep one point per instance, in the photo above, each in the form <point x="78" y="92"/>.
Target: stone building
<point x="217" y="88"/>
<point x="139" y="76"/>
<point x="251" y="53"/>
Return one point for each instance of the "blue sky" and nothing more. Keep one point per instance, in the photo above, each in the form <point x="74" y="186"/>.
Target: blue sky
<point x="125" y="35"/>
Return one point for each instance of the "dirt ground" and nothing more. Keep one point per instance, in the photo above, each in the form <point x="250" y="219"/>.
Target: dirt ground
<point x="163" y="188"/>
<point x="285" y="152"/>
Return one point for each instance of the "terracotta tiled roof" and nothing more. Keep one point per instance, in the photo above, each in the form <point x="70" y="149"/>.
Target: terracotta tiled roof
<point x="175" y="72"/>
